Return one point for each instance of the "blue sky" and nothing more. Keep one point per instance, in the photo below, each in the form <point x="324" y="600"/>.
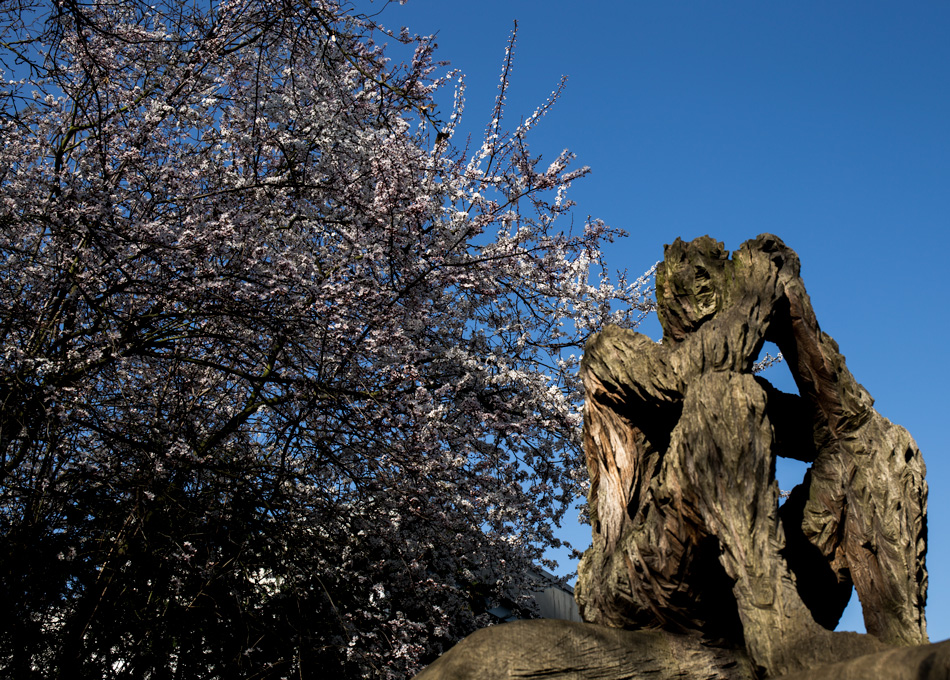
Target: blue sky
<point x="827" y="124"/>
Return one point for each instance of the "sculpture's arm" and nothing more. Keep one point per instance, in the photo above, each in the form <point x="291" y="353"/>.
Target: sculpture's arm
<point x="791" y="418"/>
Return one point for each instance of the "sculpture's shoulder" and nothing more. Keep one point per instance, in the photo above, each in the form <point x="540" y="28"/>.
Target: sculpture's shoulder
<point x="618" y="360"/>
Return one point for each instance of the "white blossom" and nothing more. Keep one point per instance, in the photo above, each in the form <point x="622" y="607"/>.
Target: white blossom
<point x="287" y="383"/>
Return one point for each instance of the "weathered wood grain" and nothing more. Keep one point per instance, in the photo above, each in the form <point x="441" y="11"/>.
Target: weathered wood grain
<point x="565" y="650"/>
<point x="681" y="441"/>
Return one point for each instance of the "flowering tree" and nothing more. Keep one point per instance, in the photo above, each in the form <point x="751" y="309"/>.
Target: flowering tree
<point x="286" y="381"/>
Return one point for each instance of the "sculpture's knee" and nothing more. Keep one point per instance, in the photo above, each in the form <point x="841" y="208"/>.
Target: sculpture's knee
<point x="723" y="437"/>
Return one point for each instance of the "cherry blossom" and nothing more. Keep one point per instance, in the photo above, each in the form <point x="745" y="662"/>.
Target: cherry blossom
<point x="289" y="376"/>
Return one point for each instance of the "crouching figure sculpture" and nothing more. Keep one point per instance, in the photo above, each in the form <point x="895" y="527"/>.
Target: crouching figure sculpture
<point x="696" y="570"/>
<point x="681" y="440"/>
